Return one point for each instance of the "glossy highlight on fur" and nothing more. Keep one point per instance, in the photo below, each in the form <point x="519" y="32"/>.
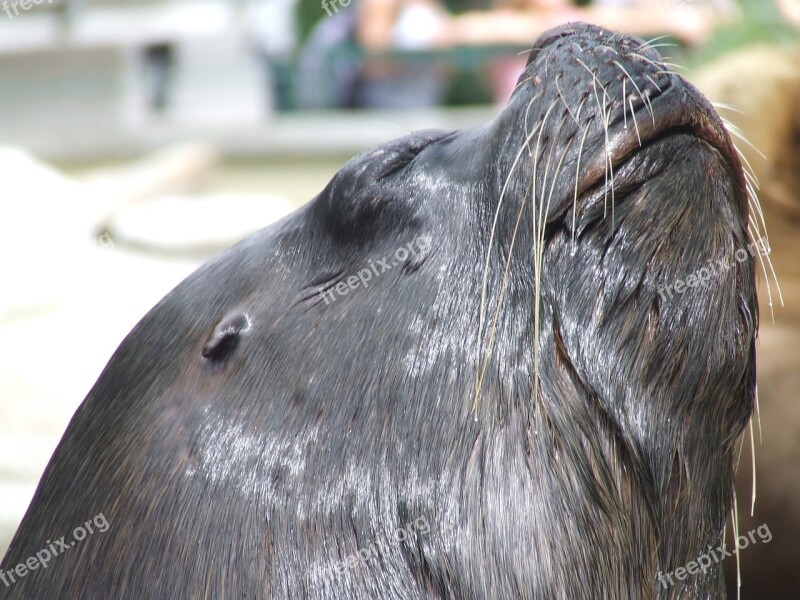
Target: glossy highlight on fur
<point x="518" y="385"/>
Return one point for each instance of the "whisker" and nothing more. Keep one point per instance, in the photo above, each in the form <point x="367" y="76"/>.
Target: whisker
<point x="644" y="58"/>
<point x="752" y="200"/>
<point x="653" y="81"/>
<point x="577" y="175"/>
<point x="664" y="45"/>
<point x="649" y="43"/>
<point x="605" y="112"/>
<point x="521" y="82"/>
<point x="592" y="73"/>
<point x="527" y="116"/>
<point x="758" y="413"/>
<point x="749" y="174"/>
<point x="739" y="134"/>
<point x="735" y="517"/>
<point x="755" y="240"/>
<point x="727" y="107"/>
<point x="501" y="295"/>
<point x="641" y="95"/>
<point x="738" y="456"/>
<point x="569" y="110"/>
<point x="635" y="124"/>
<point x="539" y="256"/>
<point x="481" y="372"/>
<point x="580" y="107"/>
<point x="624" y="108"/>
<point x="609" y="48"/>
<point x="545" y="181"/>
<point x="674" y="65"/>
<point x="748" y="171"/>
<point x="649" y="106"/>
<point x="753" y="454"/>
<point x="484" y="288"/>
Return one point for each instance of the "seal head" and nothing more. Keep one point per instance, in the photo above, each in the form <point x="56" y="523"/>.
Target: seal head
<point x="464" y="370"/>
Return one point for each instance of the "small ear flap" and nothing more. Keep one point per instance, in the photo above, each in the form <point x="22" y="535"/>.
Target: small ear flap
<point x="371" y="186"/>
<point x="223" y="340"/>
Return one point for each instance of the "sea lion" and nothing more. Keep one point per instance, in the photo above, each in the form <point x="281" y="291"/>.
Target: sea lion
<point x="464" y="370"/>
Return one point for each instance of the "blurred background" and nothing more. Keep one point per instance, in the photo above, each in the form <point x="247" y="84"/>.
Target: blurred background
<point x="139" y="138"/>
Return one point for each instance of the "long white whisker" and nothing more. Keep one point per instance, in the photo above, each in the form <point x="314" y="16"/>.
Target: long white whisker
<point x="577" y="175"/>
<point x="758" y="413"/>
<point x="605" y="112"/>
<point x="636" y="124"/>
<point x="724" y="106"/>
<point x="755" y="240"/>
<point x="638" y="90"/>
<point x="539" y="256"/>
<point x="649" y="43"/>
<point x="753" y="454"/>
<point x="625" y="108"/>
<point x="739" y="134"/>
<point x="735" y="516"/>
<point x="569" y="110"/>
<point x="644" y="58"/>
<point x="484" y="289"/>
<point x="674" y="65"/>
<point x="653" y="81"/>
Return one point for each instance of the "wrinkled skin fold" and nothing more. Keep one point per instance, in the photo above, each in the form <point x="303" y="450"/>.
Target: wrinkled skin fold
<point x="516" y="383"/>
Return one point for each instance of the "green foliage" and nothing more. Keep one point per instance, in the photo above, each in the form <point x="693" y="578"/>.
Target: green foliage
<point x="309" y="13"/>
<point x="761" y="23"/>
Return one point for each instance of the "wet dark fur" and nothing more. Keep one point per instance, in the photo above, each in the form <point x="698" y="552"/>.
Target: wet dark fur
<point x="241" y="459"/>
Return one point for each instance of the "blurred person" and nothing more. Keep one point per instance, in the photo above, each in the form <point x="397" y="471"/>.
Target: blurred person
<point x="159" y="73"/>
<point x="689" y="24"/>
<point x="385" y="26"/>
<point x="426" y="23"/>
<point x="421" y="24"/>
<point x="344" y="62"/>
<point x="329" y="63"/>
<point x="382" y="27"/>
<point x="504" y="72"/>
<point x="272" y="31"/>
